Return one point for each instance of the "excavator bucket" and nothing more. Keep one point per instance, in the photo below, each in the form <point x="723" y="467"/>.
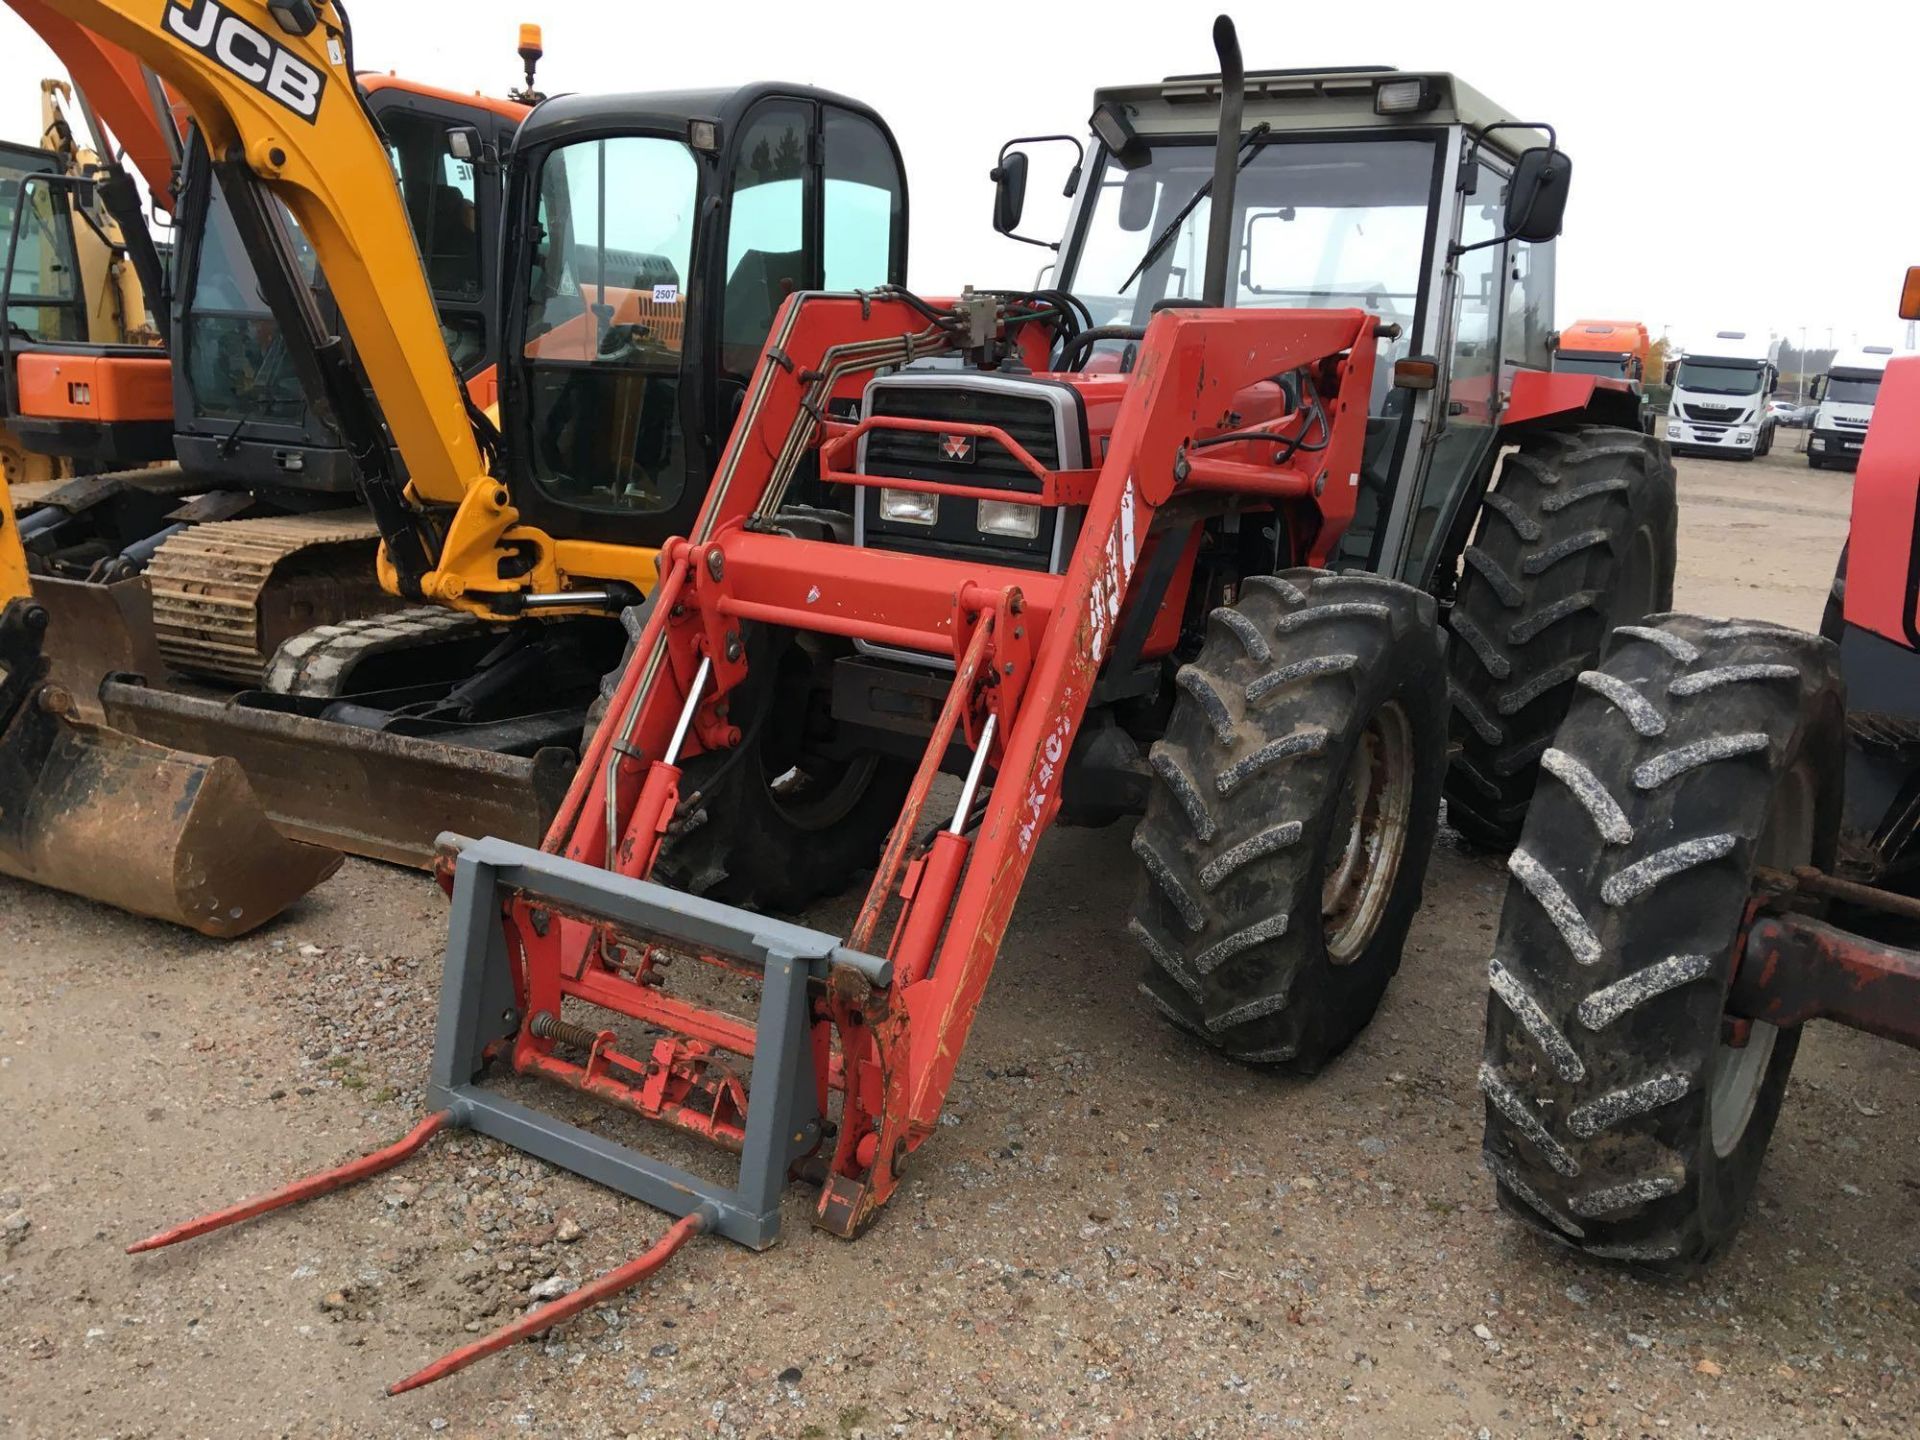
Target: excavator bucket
<point x="159" y="832"/>
<point x="96" y="630"/>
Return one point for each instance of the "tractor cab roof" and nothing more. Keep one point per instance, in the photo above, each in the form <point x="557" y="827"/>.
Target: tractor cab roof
<point x="1329" y="98"/>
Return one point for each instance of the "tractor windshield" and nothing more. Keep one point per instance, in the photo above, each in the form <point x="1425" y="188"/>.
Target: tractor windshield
<point x="1319" y="224"/>
<point x="605" y="321"/>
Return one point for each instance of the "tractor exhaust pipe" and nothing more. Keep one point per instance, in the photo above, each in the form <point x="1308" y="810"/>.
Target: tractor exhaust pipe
<point x="1226" y="159"/>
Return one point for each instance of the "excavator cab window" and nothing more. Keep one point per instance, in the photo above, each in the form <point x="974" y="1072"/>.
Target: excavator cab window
<point x="442" y="203"/>
<point x="766" y="240"/>
<point x="605" y="321"/>
<point x="237" y="361"/>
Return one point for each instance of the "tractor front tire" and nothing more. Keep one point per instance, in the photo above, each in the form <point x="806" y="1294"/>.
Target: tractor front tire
<point x="1297" y="798"/>
<point x="1624" y="1116"/>
<point x="1576" y="536"/>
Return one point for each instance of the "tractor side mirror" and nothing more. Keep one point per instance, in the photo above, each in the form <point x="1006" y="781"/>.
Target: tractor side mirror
<point x="1139" y="192"/>
<point x="1910" y="294"/>
<point x="1009" y="176"/>
<point x="1537" y="195"/>
<point x="1009" y="191"/>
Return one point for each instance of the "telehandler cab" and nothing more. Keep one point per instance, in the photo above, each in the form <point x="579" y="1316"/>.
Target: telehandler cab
<point x="1191" y="559"/>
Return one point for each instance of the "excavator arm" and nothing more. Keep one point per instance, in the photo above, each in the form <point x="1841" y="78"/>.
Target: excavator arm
<point x="271" y="86"/>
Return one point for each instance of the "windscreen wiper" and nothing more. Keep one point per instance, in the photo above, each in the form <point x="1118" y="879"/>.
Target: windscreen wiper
<point x="1160" y="242"/>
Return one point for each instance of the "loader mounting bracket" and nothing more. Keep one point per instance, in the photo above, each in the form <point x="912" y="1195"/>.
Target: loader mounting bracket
<point x="479" y="1013"/>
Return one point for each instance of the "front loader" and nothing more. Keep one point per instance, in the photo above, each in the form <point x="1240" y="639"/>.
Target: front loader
<point x="1729" y="850"/>
<point x="1161" y="540"/>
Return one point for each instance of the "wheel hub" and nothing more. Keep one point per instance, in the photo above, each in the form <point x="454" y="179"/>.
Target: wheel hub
<point x="1369" y="837"/>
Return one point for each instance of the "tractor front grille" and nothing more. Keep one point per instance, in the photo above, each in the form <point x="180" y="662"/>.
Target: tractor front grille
<point x="1715" y="414"/>
<point x="1044" y="416"/>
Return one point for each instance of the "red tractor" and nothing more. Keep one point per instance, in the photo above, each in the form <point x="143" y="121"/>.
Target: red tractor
<point x="1209" y="535"/>
<point x="1728" y="848"/>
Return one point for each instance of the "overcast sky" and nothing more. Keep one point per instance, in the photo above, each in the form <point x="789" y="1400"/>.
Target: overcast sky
<point x="1734" y="166"/>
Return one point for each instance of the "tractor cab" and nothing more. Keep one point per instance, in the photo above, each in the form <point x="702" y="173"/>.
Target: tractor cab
<point x="1366" y="189"/>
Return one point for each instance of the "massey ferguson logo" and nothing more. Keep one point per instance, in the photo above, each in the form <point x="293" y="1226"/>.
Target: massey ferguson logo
<point x="270" y="68"/>
<point x="957" y="448"/>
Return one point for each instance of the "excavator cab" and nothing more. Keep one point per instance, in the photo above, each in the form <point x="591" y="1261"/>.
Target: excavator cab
<point x="653" y="238"/>
<point x="242" y="416"/>
<point x="26" y="311"/>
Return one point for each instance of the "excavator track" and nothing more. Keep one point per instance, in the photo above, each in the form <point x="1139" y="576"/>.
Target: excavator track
<point x="318" y="663"/>
<point x="227" y="595"/>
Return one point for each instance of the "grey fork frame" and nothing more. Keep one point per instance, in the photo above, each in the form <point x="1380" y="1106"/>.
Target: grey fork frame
<point x="478" y="1009"/>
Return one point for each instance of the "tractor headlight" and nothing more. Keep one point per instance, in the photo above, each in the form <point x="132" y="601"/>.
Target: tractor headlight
<point x="909" y="507"/>
<point x="1004" y="517"/>
<point x="1745" y="437"/>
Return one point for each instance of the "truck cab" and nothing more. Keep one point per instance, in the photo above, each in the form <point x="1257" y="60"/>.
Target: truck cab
<point x="1844" y="398"/>
<point x="1619" y="349"/>
<point x="1720" y="392"/>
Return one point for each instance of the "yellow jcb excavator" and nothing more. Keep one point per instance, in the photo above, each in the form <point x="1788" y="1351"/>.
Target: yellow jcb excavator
<point x="653" y="238"/>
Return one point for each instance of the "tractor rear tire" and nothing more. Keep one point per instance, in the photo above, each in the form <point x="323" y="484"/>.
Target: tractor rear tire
<point x="1620" y="1120"/>
<point x="1576" y="536"/>
<point x="1297" y="798"/>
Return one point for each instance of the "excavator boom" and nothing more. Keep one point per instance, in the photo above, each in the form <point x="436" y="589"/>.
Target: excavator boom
<point x="118" y="90"/>
<point x="280" y="108"/>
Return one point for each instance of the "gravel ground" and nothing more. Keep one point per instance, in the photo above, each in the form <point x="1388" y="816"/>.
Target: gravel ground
<point x="1114" y="1233"/>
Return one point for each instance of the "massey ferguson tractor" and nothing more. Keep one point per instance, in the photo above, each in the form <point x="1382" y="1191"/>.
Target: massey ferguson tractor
<point x="1727" y="847"/>
<point x="1207" y="539"/>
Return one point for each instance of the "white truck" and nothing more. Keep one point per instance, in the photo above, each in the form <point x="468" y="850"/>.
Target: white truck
<point x="1845" y="394"/>
<point x="1720" y="395"/>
